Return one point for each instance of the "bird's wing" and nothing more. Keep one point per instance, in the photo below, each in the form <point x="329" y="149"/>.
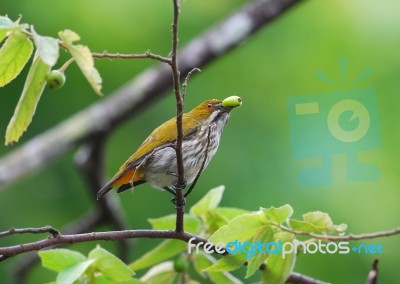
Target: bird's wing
<point x="163" y="135"/>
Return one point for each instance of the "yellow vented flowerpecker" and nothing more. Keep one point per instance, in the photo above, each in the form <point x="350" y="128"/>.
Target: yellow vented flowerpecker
<point x="155" y="160"/>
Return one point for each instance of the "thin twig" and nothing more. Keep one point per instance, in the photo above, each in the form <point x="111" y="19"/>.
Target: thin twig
<point x="147" y="54"/>
<point x="180" y="206"/>
<point x="46" y="229"/>
<point x="202" y="164"/>
<point x="185" y="83"/>
<point x="349" y="237"/>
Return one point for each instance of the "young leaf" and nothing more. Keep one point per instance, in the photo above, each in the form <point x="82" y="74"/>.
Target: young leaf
<point x="110" y="265"/>
<point x="163" y="251"/>
<point x="192" y="223"/>
<point x="47" y="48"/>
<point x="209" y="202"/>
<point x="83" y="57"/>
<point x="241" y="229"/>
<point x="60" y="259"/>
<point x="14" y="54"/>
<point x="278" y="215"/>
<point x="161" y="273"/>
<point x="6" y="25"/>
<point x="230" y="212"/>
<point x="278" y="268"/>
<point x="263" y="236"/>
<point x="201" y="261"/>
<point x="228" y="263"/>
<point x="317" y="222"/>
<point x="33" y="88"/>
<point x="73" y="273"/>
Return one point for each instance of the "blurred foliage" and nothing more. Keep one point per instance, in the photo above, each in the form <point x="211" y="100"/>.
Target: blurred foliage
<point x="254" y="161"/>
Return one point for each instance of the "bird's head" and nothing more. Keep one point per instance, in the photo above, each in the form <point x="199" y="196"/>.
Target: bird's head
<point x="213" y="108"/>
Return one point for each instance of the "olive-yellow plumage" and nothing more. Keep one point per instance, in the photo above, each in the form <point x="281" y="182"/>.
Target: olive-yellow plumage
<point x="155" y="159"/>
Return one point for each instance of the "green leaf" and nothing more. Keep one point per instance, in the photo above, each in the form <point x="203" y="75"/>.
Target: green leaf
<point x="317" y="222"/>
<point x="60" y="259"/>
<point x="278" y="215"/>
<point x="73" y="273"/>
<point x="47" y="48"/>
<point x="33" y="88"/>
<point x="263" y="236"/>
<point x="161" y="273"/>
<point x="318" y="218"/>
<point x="209" y="201"/>
<point x="14" y="54"/>
<point x="228" y="263"/>
<point x="83" y="57"/>
<point x="110" y="265"/>
<point x="241" y="228"/>
<point x="163" y="251"/>
<point x="192" y="223"/>
<point x="230" y="212"/>
<point x="201" y="261"/>
<point x="278" y="268"/>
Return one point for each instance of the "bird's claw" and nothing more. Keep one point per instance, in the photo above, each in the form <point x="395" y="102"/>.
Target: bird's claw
<point x="175" y="202"/>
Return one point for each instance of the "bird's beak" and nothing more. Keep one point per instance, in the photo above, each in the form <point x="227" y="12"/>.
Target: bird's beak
<point x="230" y="103"/>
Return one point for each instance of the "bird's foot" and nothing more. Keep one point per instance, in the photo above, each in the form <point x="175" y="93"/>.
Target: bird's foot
<point x="175" y="185"/>
<point x="175" y="202"/>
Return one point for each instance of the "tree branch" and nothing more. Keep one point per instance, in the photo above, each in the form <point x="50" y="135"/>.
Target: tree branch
<point x="130" y="99"/>
<point x="373" y="273"/>
<point x="349" y="237"/>
<point x="45" y="229"/>
<point x="6" y="252"/>
<point x="180" y="206"/>
<point x="147" y="54"/>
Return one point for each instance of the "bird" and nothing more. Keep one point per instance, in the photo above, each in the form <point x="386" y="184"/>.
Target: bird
<point x="155" y="160"/>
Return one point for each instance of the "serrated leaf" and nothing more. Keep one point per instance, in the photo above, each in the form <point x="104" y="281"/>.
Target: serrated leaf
<point x="278" y="215"/>
<point x="14" y="54"/>
<point x="191" y="223"/>
<point x="73" y="273"/>
<point x="263" y="236"/>
<point x="83" y="57"/>
<point x="110" y="265"/>
<point x="47" y="47"/>
<point x="60" y="259"/>
<point x="161" y="273"/>
<point x="209" y="202"/>
<point x="26" y="107"/>
<point x="228" y="263"/>
<point x="163" y="251"/>
<point x="201" y="261"/>
<point x="241" y="228"/>
<point x="278" y="268"/>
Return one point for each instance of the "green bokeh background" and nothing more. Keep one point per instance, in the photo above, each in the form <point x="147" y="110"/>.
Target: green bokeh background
<point x="254" y="161"/>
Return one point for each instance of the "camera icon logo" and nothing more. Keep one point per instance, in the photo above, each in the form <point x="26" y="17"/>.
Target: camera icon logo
<point x="336" y="123"/>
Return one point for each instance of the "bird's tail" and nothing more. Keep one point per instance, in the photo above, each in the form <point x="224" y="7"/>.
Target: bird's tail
<point x="123" y="178"/>
<point x="103" y="191"/>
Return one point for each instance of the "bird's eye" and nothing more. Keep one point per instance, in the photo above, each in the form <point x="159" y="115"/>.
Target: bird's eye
<point x="209" y="106"/>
